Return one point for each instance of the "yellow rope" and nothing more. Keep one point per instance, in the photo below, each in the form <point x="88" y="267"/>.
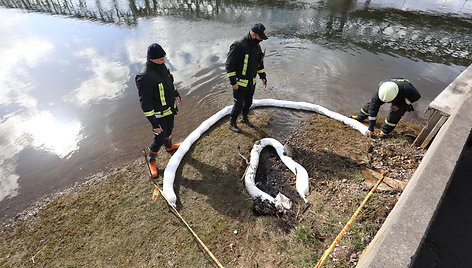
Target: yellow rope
<point x="348" y="224"/>
<point x="190" y="229"/>
<point x="181" y="218"/>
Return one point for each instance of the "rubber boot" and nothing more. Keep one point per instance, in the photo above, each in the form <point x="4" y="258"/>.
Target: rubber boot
<point x="153" y="164"/>
<point x="358" y="118"/>
<point x="246" y="121"/>
<point x="170" y="147"/>
<point x="383" y="135"/>
<point x="234" y="127"/>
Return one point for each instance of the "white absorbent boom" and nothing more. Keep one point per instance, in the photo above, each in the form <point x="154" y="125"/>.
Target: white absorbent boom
<point x="174" y="162"/>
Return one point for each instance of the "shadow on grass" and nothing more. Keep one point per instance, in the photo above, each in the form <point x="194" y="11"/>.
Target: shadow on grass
<point x="224" y="186"/>
<point x="223" y="189"/>
<point x="324" y="164"/>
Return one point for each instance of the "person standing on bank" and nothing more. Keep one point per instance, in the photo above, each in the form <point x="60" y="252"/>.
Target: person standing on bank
<point x="158" y="96"/>
<point x="397" y="91"/>
<point x="245" y="60"/>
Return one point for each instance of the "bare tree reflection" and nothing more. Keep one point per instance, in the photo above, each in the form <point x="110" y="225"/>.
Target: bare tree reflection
<point x="427" y="36"/>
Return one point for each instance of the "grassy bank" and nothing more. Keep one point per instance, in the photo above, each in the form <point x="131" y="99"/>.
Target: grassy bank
<point x="112" y="222"/>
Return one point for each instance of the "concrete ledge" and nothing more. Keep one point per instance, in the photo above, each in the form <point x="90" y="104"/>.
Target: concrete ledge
<point x="397" y="241"/>
<point x="454" y="94"/>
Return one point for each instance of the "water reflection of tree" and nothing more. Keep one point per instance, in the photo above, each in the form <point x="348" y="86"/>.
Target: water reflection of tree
<point x="425" y="36"/>
<point x="429" y="37"/>
<point x="338" y="15"/>
<point x="342" y="23"/>
<point x="79" y="9"/>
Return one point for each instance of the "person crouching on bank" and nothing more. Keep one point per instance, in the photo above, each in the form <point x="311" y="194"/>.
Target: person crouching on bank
<point x="397" y="91"/>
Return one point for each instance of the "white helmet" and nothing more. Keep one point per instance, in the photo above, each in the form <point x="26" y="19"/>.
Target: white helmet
<point x="388" y="91"/>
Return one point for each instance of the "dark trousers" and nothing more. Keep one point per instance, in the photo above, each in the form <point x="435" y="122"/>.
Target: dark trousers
<point x="242" y="101"/>
<point x="167" y="125"/>
<point x="392" y="119"/>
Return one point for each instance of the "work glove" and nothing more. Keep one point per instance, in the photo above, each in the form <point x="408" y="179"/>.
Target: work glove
<point x="409" y="108"/>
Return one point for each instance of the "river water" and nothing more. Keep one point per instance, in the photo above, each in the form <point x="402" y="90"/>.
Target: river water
<point x="69" y="105"/>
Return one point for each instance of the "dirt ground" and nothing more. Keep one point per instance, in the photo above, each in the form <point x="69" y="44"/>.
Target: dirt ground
<point x="112" y="222"/>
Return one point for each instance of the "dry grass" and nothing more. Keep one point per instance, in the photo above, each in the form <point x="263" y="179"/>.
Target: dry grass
<point x="113" y="222"/>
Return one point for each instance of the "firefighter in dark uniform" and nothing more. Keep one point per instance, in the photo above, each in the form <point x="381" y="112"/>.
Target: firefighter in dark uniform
<point x="397" y="91"/>
<point x="158" y="96"/>
<point x="244" y="62"/>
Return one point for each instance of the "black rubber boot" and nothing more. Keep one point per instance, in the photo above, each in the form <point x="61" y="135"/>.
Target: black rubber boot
<point x="246" y="121"/>
<point x="234" y="127"/>
<point x="167" y="142"/>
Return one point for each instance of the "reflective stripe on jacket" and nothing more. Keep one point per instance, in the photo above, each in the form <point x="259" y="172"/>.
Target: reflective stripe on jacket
<point x="245" y="60"/>
<point x="407" y="94"/>
<point x="157" y="92"/>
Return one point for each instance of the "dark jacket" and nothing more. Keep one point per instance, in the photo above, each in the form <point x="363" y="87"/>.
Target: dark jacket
<point x="245" y="60"/>
<point x="407" y="94"/>
<point x="157" y="92"/>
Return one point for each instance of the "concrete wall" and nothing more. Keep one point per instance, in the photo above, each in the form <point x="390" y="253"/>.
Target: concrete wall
<point x="397" y="241"/>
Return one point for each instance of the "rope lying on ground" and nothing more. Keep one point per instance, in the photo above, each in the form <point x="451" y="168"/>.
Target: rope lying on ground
<point x="348" y="224"/>
<point x="174" y="210"/>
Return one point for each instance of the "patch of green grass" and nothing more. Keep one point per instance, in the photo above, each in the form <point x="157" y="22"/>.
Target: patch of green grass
<point x="357" y="177"/>
<point x="304" y="234"/>
<point x="324" y="229"/>
<point x="220" y="226"/>
<point x="356" y="199"/>
<point x="359" y="231"/>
